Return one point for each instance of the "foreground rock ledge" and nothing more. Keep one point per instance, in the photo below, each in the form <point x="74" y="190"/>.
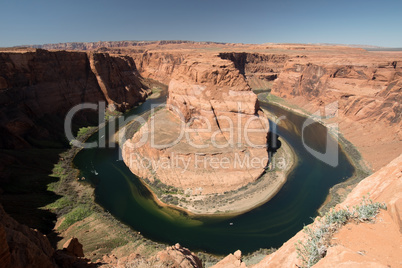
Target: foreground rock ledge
<point x="212" y="138"/>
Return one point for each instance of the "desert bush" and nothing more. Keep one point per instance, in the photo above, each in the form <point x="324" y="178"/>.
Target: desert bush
<point x="318" y="236"/>
<point x="367" y="210"/>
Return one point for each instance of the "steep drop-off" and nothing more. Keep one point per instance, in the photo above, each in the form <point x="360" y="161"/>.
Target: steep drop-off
<point x="42" y="86"/>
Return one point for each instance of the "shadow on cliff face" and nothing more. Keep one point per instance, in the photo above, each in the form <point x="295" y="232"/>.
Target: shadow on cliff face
<point x="26" y="168"/>
<point x="24" y="177"/>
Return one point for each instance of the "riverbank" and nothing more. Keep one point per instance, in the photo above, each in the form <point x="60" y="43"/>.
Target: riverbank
<point x="339" y="191"/>
<point x="78" y="215"/>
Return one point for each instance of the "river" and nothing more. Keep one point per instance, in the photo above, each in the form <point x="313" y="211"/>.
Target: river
<point x="270" y="225"/>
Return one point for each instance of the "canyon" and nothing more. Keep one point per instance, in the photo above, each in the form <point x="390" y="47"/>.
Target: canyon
<point x="308" y="78"/>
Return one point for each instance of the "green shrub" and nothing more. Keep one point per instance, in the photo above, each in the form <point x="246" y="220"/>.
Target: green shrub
<point x="60" y="203"/>
<point x="77" y="214"/>
<point x="84" y="131"/>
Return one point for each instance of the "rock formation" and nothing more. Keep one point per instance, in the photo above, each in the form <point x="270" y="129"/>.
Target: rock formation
<point x="74" y="247"/>
<point x="179" y="257"/>
<point x="231" y="261"/>
<point x="211" y="104"/>
<point x="43" y="86"/>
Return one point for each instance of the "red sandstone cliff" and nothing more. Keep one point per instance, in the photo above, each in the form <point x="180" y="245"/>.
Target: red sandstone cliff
<point x="21" y="246"/>
<point x="367" y="90"/>
<point x="259" y="69"/>
<point x="158" y="65"/>
<point x="43" y="84"/>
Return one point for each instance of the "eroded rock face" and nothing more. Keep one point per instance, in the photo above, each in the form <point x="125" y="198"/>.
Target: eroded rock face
<point x="260" y="70"/>
<point x="212" y="116"/>
<point x="367" y="90"/>
<point x="43" y="86"/>
<point x="158" y="65"/>
<point x="22" y="246"/>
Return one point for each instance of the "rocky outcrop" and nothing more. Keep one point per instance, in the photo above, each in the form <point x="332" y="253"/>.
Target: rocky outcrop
<point x="22" y="246"/>
<point x="174" y="256"/>
<point x="231" y="261"/>
<point x="179" y="257"/>
<point x="37" y="89"/>
<point x="222" y="123"/>
<point x="383" y="186"/>
<point x="74" y="247"/>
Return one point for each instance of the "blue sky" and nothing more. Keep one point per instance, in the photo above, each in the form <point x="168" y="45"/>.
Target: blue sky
<point x="286" y="21"/>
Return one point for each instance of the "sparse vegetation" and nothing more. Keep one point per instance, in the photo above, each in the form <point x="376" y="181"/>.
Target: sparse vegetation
<point x="84" y="131"/>
<point x="109" y="114"/>
<point x="77" y="214"/>
<point x="318" y="238"/>
<point x="256" y="256"/>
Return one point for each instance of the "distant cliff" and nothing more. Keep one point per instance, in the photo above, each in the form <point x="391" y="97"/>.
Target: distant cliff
<point x="38" y="88"/>
<point x="109" y="44"/>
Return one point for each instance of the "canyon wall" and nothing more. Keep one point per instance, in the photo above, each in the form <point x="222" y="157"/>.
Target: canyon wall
<point x="45" y="85"/>
<point x="260" y="70"/>
<point x="158" y="65"/>
<point x="367" y="91"/>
